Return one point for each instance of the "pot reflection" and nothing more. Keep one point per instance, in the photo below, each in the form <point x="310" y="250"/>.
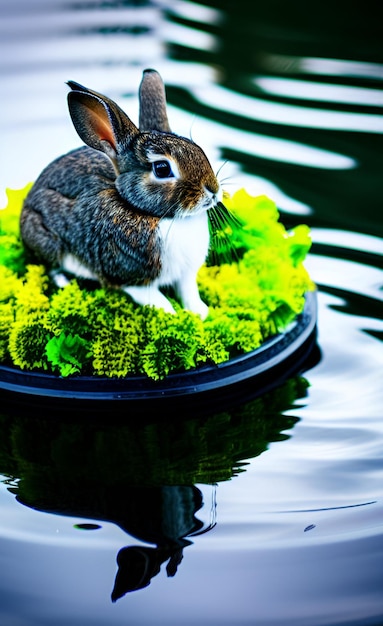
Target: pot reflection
<point x="145" y="476"/>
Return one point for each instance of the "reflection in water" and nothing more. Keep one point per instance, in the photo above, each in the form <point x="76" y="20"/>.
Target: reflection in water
<point x="163" y="516"/>
<point x="141" y="475"/>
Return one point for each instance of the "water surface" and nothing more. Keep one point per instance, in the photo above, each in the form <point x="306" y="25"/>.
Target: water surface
<point x="276" y="503"/>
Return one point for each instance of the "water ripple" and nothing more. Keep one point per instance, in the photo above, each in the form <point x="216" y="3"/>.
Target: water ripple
<point x="321" y="92"/>
<point x="297" y="116"/>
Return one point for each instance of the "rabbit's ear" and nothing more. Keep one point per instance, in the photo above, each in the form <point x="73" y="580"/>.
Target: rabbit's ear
<point x="152" y="98"/>
<point x="99" y="121"/>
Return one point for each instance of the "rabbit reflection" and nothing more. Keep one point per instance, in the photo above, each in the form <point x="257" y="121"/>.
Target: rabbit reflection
<point x="165" y="517"/>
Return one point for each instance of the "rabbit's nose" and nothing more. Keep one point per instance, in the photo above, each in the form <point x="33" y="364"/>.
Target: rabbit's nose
<point x="212" y="186"/>
<point x="213" y="194"/>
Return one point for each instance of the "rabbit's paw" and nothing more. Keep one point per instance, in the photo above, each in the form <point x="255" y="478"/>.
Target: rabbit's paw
<point x="200" y="308"/>
<point x="188" y="293"/>
<point x="149" y="295"/>
<point x="192" y="302"/>
<point x="59" y="279"/>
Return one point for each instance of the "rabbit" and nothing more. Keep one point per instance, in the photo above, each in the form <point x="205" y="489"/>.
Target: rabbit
<point x="130" y="208"/>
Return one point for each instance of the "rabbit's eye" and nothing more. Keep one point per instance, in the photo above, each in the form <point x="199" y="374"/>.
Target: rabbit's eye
<point x="162" y="169"/>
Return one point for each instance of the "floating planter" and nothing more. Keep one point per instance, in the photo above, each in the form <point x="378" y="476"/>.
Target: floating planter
<point x="90" y="343"/>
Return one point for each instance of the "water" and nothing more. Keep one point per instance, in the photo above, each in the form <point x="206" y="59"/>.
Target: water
<point x="276" y="502"/>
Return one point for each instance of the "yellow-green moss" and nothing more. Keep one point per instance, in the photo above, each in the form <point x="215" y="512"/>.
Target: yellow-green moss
<point x="254" y="290"/>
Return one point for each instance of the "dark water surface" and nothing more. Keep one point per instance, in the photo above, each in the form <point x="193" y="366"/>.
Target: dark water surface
<point x="275" y="503"/>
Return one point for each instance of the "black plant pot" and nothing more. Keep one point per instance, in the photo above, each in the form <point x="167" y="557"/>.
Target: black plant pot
<point x="279" y="358"/>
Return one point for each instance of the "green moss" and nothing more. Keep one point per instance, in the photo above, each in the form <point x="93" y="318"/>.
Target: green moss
<point x="27" y="343"/>
<point x="116" y="346"/>
<point x="254" y="283"/>
<point x="67" y="353"/>
<point x="6" y="321"/>
<point x="12" y="253"/>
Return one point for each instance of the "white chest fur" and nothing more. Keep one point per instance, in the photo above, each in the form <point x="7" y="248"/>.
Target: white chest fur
<point x="185" y="245"/>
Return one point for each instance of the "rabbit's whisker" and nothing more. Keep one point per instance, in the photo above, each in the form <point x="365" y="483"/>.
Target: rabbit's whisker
<point x="220" y="168"/>
<point x="226" y="180"/>
<point x="169" y="210"/>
